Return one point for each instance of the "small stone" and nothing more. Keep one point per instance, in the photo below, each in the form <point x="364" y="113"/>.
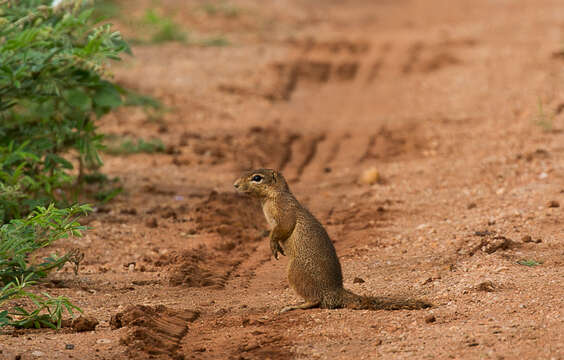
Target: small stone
<point x="472" y="205"/>
<point x="152" y="223"/>
<point x="543" y="175"/>
<point x="486" y="286"/>
<point x="529" y="239"/>
<point x="37" y="353"/>
<point x="370" y="176"/>
<point x="553" y="204"/>
<point x="358" y="280"/>
<point x="69" y="346"/>
<point x="427" y="281"/>
<point x="103" y="341"/>
<point x="500" y="191"/>
<point x="430" y="319"/>
<point x="497" y="243"/>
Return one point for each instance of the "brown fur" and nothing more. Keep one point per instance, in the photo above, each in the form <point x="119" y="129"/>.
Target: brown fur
<point x="314" y="270"/>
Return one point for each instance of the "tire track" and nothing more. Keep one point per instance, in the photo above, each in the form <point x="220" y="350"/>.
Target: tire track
<point x="287" y="156"/>
<point x="311" y="153"/>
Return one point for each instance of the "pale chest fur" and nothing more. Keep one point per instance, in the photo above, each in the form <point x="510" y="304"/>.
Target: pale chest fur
<point x="267" y="210"/>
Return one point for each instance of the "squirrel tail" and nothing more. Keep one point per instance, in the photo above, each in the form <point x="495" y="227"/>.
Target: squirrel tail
<point x="359" y="302"/>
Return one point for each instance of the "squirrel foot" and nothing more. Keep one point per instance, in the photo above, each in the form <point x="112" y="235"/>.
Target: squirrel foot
<point x="304" y="306"/>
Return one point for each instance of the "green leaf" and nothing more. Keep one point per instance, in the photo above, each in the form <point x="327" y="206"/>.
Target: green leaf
<point x="107" y="96"/>
<point x="78" y="99"/>
<point x="529" y="263"/>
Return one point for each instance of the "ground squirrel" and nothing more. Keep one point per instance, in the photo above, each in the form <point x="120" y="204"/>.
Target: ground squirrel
<point x="314" y="270"/>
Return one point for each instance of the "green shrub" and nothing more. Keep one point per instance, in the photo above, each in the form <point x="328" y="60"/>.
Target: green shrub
<point x="52" y="89"/>
<point x="19" y="239"/>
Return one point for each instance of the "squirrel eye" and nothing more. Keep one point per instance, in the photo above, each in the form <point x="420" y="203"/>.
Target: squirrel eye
<point x="257" y="178"/>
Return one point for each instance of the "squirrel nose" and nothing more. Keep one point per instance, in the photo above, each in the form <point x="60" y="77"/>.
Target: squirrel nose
<point x="236" y="184"/>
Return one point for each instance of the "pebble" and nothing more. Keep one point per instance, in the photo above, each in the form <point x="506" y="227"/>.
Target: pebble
<point x="152" y="223"/>
<point x="430" y="319"/>
<point x="553" y="204"/>
<point x="37" y="353"/>
<point x="486" y="286"/>
<point x="103" y="341"/>
<point x="528" y="239"/>
<point x="69" y="346"/>
<point x="358" y="280"/>
<point x="370" y="176"/>
<point x="543" y="175"/>
<point x="427" y="281"/>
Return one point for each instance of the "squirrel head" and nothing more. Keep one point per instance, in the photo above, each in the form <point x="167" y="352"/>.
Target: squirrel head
<point x="262" y="183"/>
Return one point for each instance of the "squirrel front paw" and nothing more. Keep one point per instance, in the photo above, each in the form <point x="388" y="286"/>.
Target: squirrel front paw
<point x="276" y="248"/>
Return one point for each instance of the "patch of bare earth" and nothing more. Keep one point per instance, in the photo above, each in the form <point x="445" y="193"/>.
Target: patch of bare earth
<point x="434" y="102"/>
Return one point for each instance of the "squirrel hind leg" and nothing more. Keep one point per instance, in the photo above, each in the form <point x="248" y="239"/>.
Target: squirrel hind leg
<point x="304" y="306"/>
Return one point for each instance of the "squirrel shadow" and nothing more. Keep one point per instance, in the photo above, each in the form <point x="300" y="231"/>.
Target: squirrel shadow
<point x="387" y="303"/>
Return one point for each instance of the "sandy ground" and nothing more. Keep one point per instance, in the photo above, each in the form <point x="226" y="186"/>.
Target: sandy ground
<point x="440" y="97"/>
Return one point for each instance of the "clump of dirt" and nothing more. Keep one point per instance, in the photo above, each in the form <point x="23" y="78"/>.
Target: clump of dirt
<point x="487" y="286"/>
<point x="488" y="243"/>
<point x="153" y="331"/>
<point x="84" y="323"/>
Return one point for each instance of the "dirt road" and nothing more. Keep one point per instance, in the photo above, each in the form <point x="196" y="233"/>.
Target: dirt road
<point x="440" y="97"/>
